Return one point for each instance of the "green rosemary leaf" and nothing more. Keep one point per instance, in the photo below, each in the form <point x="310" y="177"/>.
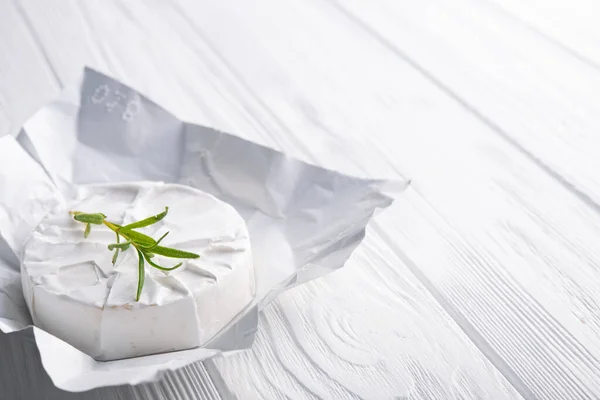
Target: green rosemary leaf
<point x="137" y="237"/>
<point x="148" y="221"/>
<point x="141" y="275"/>
<point x="173" y="253"/>
<point x="146" y="256"/>
<point x="116" y="255"/>
<point x="119" y="246"/>
<point x="114" y="227"/>
<point x="161" y="238"/>
<point x="145" y="245"/>
<point x="96" y="218"/>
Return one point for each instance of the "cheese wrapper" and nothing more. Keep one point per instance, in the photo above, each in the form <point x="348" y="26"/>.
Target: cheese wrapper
<point x="304" y="221"/>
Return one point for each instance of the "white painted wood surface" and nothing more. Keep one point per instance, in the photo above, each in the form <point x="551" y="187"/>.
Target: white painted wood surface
<point x="481" y="282"/>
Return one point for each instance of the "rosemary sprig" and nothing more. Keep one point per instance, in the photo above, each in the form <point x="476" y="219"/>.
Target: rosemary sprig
<point x="145" y="246"/>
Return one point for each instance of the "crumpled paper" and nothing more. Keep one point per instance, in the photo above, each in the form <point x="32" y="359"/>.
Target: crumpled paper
<point x="304" y="221"/>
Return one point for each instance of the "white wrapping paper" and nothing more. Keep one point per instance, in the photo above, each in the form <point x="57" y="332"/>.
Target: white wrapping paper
<point x="304" y="221"/>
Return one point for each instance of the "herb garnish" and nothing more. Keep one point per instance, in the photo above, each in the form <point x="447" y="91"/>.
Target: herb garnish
<point x="145" y="246"/>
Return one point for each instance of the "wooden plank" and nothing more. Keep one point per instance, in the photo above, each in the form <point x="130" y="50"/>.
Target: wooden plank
<point x="429" y="352"/>
<point x="571" y="27"/>
<point x="26" y="82"/>
<point x="508" y="251"/>
<point x="368" y="331"/>
<point x="534" y="93"/>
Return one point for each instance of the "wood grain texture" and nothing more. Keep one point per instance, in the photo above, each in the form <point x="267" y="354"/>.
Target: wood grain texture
<point x="571" y="27"/>
<point x="21" y="93"/>
<point x="534" y="92"/>
<point x="489" y="229"/>
<point x="369" y="331"/>
<point x="481" y="282"/>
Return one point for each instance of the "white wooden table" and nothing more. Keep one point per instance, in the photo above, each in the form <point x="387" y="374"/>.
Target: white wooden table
<point x="481" y="282"/>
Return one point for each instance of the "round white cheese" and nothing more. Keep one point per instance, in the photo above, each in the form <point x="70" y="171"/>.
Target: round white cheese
<point x="75" y="293"/>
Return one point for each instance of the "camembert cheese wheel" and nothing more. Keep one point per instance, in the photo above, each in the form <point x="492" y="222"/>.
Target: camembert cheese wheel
<point x="74" y="292"/>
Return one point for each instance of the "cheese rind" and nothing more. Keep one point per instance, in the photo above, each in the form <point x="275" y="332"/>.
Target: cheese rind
<point x="75" y="293"/>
